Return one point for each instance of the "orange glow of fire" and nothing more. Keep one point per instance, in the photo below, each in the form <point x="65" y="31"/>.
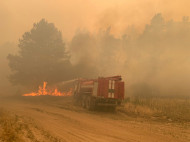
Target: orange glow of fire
<point x="42" y="91"/>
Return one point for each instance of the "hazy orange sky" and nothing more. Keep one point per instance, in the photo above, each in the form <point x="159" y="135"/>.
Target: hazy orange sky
<point x="18" y="16"/>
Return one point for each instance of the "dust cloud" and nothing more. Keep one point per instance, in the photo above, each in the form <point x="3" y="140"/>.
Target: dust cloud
<point x="128" y="38"/>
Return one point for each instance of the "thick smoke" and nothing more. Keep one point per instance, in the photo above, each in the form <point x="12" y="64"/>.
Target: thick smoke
<point x="98" y="54"/>
<point x="18" y="16"/>
<point x="156" y="62"/>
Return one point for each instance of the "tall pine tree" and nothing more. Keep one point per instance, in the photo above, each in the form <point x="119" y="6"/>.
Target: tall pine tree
<point x="42" y="57"/>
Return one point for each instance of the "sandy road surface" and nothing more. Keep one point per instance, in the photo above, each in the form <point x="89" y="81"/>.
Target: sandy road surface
<point x="78" y="125"/>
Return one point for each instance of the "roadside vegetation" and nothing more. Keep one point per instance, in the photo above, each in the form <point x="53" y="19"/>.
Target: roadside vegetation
<point x="172" y="109"/>
<point x="10" y="129"/>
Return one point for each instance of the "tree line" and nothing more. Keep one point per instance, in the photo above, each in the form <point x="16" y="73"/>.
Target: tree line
<point x="160" y="53"/>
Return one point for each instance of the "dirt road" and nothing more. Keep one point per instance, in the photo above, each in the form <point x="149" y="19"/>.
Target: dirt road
<point x="72" y="124"/>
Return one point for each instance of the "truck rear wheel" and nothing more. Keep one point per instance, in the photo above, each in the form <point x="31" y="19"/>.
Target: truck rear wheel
<point x="83" y="102"/>
<point x="112" y="108"/>
<point x="90" y="103"/>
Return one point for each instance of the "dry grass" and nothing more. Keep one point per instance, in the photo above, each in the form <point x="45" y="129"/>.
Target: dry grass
<point x="10" y="129"/>
<point x="171" y="109"/>
<point x="14" y="128"/>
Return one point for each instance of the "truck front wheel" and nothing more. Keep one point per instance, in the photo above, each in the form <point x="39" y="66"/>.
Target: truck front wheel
<point x="90" y="103"/>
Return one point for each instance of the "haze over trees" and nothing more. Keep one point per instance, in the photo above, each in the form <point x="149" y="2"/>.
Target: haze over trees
<point x="155" y="62"/>
<point x="5" y="49"/>
<point x="42" y="57"/>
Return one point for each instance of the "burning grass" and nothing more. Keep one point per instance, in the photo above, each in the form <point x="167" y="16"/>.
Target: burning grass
<point x="44" y="91"/>
<point x="170" y="109"/>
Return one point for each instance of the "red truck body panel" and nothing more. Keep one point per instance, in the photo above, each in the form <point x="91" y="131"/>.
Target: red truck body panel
<point x="121" y="89"/>
<point x="111" y="88"/>
<point x="104" y="90"/>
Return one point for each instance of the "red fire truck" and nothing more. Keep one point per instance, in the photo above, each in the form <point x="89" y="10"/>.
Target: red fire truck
<point x="104" y="91"/>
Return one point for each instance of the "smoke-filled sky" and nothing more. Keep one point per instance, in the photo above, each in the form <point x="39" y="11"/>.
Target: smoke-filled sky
<point x="126" y="37"/>
<point x="18" y="16"/>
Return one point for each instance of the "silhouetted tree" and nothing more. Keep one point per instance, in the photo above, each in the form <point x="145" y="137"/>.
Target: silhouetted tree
<point x="41" y="57"/>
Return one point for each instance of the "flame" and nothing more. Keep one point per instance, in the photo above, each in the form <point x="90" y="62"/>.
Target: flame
<point x="44" y="91"/>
